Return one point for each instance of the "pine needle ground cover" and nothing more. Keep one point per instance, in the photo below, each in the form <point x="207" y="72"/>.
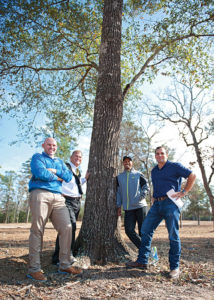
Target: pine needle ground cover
<point x="112" y="281"/>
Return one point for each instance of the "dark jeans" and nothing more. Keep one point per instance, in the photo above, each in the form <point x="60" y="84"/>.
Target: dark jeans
<point x="131" y="218"/>
<point x="73" y="206"/>
<point x="161" y="210"/>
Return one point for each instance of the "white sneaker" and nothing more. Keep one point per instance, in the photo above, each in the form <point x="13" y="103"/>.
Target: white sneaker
<point x="73" y="259"/>
<point x="174" y="273"/>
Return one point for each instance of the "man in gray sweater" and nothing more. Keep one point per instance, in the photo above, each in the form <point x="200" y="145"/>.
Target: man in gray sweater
<point x="131" y="191"/>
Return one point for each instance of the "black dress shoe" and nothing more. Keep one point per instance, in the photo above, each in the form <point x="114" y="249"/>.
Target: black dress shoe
<point x="135" y="264"/>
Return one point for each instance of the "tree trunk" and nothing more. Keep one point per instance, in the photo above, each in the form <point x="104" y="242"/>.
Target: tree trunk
<point x="198" y="217"/>
<point x="7" y="211"/>
<point x="99" y="237"/>
<point x="27" y="214"/>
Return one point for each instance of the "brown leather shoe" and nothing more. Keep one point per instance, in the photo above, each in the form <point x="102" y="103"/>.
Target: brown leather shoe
<point x="39" y="276"/>
<point x="135" y="264"/>
<point x="70" y="270"/>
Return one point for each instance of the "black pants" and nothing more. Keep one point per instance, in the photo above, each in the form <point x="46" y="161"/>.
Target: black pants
<point x="73" y="206"/>
<point x="131" y="218"/>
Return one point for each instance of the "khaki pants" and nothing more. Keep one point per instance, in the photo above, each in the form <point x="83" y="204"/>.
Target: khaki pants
<point x="44" y="205"/>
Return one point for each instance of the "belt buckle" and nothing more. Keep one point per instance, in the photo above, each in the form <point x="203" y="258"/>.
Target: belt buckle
<point x="161" y="198"/>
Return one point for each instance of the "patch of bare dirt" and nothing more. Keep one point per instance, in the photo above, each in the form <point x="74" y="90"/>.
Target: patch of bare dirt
<point x="111" y="281"/>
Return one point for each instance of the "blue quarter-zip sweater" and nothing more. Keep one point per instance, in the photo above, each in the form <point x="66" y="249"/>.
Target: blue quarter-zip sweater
<point x="131" y="190"/>
<point x="44" y="179"/>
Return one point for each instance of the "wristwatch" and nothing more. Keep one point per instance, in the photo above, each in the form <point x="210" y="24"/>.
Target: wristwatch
<point x="184" y="191"/>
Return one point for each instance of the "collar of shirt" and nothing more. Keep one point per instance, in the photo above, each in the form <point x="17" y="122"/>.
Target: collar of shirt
<point x="73" y="167"/>
<point x="130" y="171"/>
<point x="45" y="154"/>
<point x="166" y="163"/>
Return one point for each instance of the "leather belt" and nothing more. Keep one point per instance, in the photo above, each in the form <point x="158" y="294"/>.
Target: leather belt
<point x="72" y="198"/>
<point x="161" y="198"/>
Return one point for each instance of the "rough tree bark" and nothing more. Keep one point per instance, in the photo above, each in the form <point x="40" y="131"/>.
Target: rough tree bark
<point x="99" y="237"/>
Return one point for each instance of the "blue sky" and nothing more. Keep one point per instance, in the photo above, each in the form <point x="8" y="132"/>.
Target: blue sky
<point x="12" y="157"/>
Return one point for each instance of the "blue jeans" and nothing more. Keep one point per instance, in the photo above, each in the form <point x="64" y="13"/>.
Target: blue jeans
<point x="160" y="210"/>
<point x="131" y="218"/>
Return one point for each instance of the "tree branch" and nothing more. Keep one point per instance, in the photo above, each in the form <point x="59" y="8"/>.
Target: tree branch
<point x="160" y="48"/>
<point x="80" y="81"/>
<point x="18" y="68"/>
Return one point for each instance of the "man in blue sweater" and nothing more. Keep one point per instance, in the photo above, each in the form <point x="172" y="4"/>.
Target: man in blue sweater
<point x="47" y="202"/>
<point x="166" y="176"/>
<point x="131" y="191"/>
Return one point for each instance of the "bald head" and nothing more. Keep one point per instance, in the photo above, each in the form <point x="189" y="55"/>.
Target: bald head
<point x="50" y="146"/>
